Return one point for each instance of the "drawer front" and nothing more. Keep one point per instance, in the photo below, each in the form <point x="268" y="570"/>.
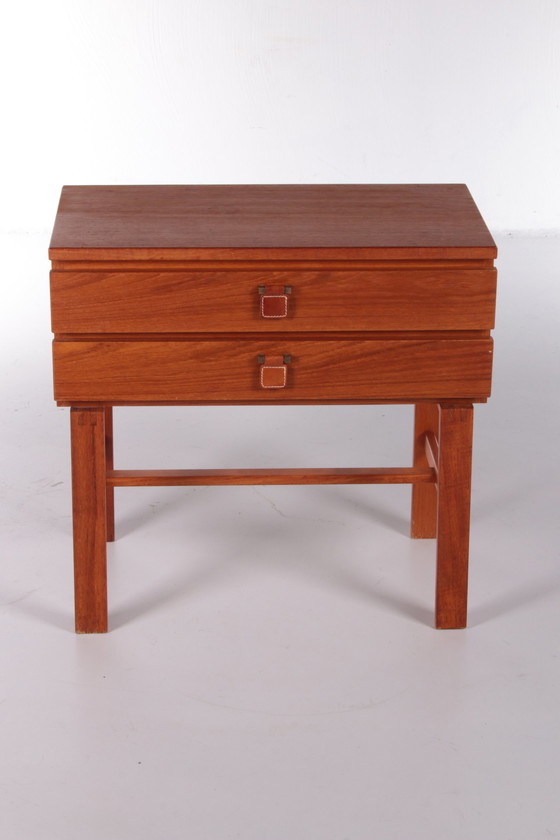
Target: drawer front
<point x="272" y="301"/>
<point x="251" y="370"/>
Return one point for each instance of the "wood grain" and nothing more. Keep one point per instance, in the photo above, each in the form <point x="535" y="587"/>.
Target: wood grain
<point x="431" y="446"/>
<point x="218" y="301"/>
<point x="109" y="464"/>
<point x="155" y="300"/>
<point x="89" y="519"/>
<point x="453" y="521"/>
<point x="423" y="520"/>
<point x="216" y="370"/>
<point x="187" y="478"/>
<point x="282" y="221"/>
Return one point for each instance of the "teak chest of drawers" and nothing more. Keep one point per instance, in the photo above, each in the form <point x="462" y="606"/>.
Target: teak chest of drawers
<point x="222" y="295"/>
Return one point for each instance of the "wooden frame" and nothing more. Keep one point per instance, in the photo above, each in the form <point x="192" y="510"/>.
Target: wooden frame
<point x="178" y="295"/>
<point x="440" y="479"/>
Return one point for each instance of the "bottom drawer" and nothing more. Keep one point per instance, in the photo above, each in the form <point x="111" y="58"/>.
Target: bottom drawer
<point x="191" y="370"/>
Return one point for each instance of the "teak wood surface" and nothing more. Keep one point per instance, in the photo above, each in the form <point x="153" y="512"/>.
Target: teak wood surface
<point x="356" y="221"/>
<point x="89" y="513"/>
<point x="273" y="294"/>
<point x="210" y="300"/>
<point x="224" y="371"/>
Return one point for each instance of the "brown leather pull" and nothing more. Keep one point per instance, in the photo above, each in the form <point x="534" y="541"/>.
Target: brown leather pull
<point x="274" y="372"/>
<point x="274" y="301"/>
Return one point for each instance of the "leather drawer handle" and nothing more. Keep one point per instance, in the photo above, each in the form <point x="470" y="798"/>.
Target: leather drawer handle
<point x="274" y="371"/>
<point x="274" y="301"/>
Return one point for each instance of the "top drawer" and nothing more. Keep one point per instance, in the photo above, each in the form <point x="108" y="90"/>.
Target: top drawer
<point x="168" y="301"/>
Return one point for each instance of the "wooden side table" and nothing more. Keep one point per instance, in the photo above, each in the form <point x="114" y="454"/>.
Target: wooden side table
<point x="226" y="295"/>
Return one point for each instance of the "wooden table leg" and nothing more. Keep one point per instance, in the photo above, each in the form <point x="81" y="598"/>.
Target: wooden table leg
<point x="89" y="518"/>
<point x="454" y="497"/>
<point x="109" y="464"/>
<point x="423" y="520"/>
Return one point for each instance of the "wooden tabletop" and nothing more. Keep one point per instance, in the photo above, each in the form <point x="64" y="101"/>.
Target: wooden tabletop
<point x="358" y="221"/>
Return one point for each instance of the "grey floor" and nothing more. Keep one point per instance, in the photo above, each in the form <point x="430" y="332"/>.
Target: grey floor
<point x="271" y="672"/>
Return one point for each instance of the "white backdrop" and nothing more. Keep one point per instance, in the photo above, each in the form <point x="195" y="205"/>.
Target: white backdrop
<point x="272" y="671"/>
<point x="285" y="91"/>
